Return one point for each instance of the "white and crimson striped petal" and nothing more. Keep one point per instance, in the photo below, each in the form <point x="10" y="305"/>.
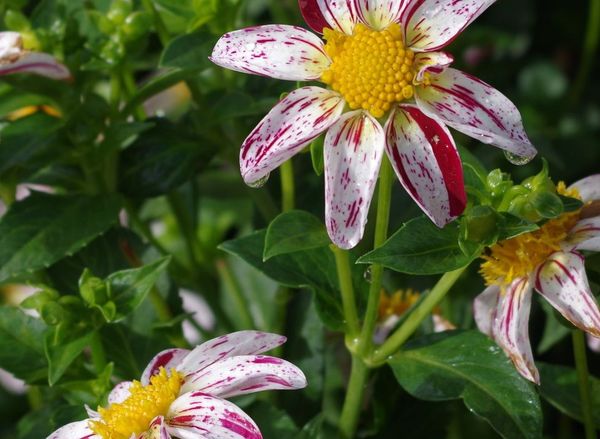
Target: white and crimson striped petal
<point x="432" y="62"/>
<point x="14" y="59"/>
<point x="379" y="14"/>
<point x="430" y="25"/>
<point x="353" y="151"/>
<point x="290" y="125"/>
<point x="585" y="235"/>
<point x="339" y="15"/>
<point x="504" y="315"/>
<point x="563" y="282"/>
<point x="277" y="51"/>
<point x="221" y="367"/>
<point x="471" y="106"/>
<point x="588" y="188"/>
<point x="427" y="163"/>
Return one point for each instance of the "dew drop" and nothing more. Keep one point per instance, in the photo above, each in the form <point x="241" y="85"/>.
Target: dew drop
<point x="518" y="160"/>
<point x="260" y="182"/>
<point x="368" y="275"/>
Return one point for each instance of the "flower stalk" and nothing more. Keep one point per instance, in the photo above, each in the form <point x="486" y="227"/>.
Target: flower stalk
<point x="584" y="383"/>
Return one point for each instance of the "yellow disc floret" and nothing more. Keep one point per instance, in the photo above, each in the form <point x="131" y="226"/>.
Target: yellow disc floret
<point x="371" y="69"/>
<point x="396" y="304"/>
<point x="134" y="415"/>
<point x="519" y="256"/>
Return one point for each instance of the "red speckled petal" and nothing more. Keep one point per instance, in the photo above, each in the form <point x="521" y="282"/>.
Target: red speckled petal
<point x="74" y="430"/>
<point x="431" y="24"/>
<point x="431" y="62"/>
<point x="379" y="14"/>
<point x="168" y="359"/>
<point x="427" y="163"/>
<point x="157" y="430"/>
<point x="339" y="15"/>
<point x="196" y="415"/>
<point x="510" y="327"/>
<point x="244" y="374"/>
<point x="229" y="345"/>
<point x="353" y="151"/>
<point x="589" y="188"/>
<point x="563" y="282"/>
<point x="287" y="129"/>
<point x="485" y="307"/>
<point x="476" y="109"/>
<point x="277" y="51"/>
<point x="585" y="235"/>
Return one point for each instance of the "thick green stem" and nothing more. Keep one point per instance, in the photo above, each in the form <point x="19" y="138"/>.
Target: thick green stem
<point x="354" y="398"/>
<point x="98" y="354"/>
<point x="584" y="383"/>
<point x="286" y="171"/>
<point x="344" y="273"/>
<point x="416" y="317"/>
<point x="590" y="48"/>
<point x="235" y="290"/>
<point x="381" y="228"/>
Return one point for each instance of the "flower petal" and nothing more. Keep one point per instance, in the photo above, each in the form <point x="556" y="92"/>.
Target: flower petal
<point x="157" y="430"/>
<point x="433" y="62"/>
<point x="276" y="51"/>
<point x="427" y="163"/>
<point x="11" y="46"/>
<point x="37" y="63"/>
<point x="335" y="14"/>
<point x="120" y="392"/>
<point x="74" y="430"/>
<point x="353" y="152"/>
<point x="473" y="107"/>
<point x="510" y="327"/>
<point x="168" y="359"/>
<point x="589" y="188"/>
<point x="563" y="282"/>
<point x="431" y="24"/>
<point x="244" y="374"/>
<point x="197" y="415"/>
<point x="290" y="125"/>
<point x="229" y="345"/>
<point x="585" y="235"/>
<point x="379" y="14"/>
<point x="485" y="307"/>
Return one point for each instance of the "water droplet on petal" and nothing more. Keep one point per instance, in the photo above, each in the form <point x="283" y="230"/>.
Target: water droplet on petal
<point x="518" y="160"/>
<point x="260" y="182"/>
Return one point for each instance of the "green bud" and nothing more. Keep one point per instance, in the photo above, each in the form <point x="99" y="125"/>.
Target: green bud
<point x="39" y="299"/>
<point x="53" y="313"/>
<point x="136" y="25"/>
<point x="101" y="21"/>
<point x="541" y="181"/>
<point x="112" y="52"/>
<point x="480" y="225"/>
<point x="16" y="21"/>
<point x="119" y="10"/>
<point x="547" y="204"/>
<point x="92" y="289"/>
<point x="109" y="311"/>
<point x="498" y="183"/>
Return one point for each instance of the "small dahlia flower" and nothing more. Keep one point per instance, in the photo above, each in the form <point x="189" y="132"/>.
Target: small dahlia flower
<point x="15" y="59"/>
<point x="181" y="393"/>
<point x="549" y="260"/>
<point x="389" y="88"/>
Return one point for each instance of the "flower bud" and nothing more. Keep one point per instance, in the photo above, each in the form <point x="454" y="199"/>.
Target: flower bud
<point x="136" y="25"/>
<point x="480" y="225"/>
<point x="53" y="313"/>
<point x="92" y="289"/>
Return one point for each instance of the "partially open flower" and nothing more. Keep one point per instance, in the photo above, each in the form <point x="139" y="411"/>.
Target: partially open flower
<point x="15" y="59"/>
<point x="549" y="260"/>
<point x="181" y="393"/>
<point x="382" y="63"/>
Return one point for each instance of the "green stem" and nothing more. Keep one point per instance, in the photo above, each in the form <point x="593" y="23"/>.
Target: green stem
<point x="185" y="224"/>
<point x="235" y="290"/>
<point x="163" y="311"/>
<point x="98" y="354"/>
<point x="416" y="317"/>
<point x="264" y="202"/>
<point x="131" y="90"/>
<point x="381" y="228"/>
<point x="590" y="46"/>
<point x="584" y="384"/>
<point x="354" y="397"/>
<point x="344" y="273"/>
<point x="161" y="29"/>
<point x="286" y="171"/>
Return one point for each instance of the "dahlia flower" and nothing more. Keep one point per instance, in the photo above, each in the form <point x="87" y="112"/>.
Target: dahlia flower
<point x="181" y="393"/>
<point x="380" y="59"/>
<point x="550" y="261"/>
<point x="15" y="59"/>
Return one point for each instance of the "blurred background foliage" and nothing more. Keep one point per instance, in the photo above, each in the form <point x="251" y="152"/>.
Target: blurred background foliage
<point x="173" y="157"/>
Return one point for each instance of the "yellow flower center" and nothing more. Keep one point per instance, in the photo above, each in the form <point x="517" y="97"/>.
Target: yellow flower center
<point x="370" y="69"/>
<point x="519" y="256"/>
<point x="134" y="415"/>
<point x="396" y="304"/>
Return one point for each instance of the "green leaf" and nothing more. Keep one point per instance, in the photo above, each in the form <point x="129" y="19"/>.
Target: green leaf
<point x="128" y="288"/>
<point x="559" y="386"/>
<point x="511" y="226"/>
<point x="468" y="365"/>
<point x="313" y="268"/>
<point x="420" y="247"/>
<point x="555" y="329"/>
<point x="60" y="354"/>
<point x="570" y="204"/>
<point x="274" y="422"/>
<point x="161" y="159"/>
<point x="316" y="155"/>
<point x="43" y="229"/>
<point x="22" y="344"/>
<point x="294" y="231"/>
<point x="189" y="52"/>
